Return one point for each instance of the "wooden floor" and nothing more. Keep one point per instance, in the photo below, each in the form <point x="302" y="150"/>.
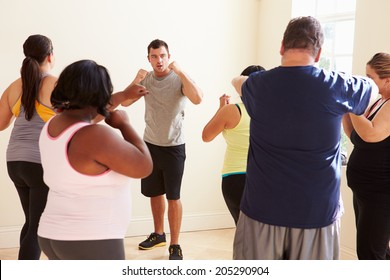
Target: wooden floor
<point x="199" y="245"/>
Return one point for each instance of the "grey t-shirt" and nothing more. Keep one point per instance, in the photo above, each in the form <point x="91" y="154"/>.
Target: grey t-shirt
<point x="164" y="110"/>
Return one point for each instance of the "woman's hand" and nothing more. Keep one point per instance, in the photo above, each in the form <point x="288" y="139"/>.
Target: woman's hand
<point x="117" y="119"/>
<point x="224" y="100"/>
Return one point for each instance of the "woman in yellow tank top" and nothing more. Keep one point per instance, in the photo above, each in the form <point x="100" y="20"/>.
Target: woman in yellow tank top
<point x="232" y="121"/>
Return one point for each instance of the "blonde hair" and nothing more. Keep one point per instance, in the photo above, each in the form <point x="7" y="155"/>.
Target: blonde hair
<point x="380" y="63"/>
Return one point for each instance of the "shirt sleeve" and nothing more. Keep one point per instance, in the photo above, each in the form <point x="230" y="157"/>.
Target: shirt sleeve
<point x="358" y="94"/>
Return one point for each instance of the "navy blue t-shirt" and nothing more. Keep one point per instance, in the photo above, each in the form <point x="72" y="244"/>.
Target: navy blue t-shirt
<point x="293" y="172"/>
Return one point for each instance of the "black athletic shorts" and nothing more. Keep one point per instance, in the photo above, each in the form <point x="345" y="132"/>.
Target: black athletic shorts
<point x="168" y="168"/>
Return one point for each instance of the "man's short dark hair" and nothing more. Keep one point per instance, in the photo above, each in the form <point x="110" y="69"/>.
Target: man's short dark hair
<point x="304" y="33"/>
<point x="156" y="44"/>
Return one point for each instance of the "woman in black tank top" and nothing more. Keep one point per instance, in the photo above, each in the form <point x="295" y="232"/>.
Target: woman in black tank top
<point x="368" y="169"/>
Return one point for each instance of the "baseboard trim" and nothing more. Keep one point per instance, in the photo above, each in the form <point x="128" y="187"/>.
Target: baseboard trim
<point x="347" y="253"/>
<point x="9" y="236"/>
<point x="191" y="222"/>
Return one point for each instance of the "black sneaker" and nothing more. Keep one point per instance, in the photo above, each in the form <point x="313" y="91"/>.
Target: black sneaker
<point x="154" y="240"/>
<point x="175" y="252"/>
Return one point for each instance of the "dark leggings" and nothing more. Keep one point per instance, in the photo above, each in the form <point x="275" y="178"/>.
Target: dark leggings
<point x="372" y="213"/>
<point x="28" y="180"/>
<point x="232" y="190"/>
<point x="108" y="249"/>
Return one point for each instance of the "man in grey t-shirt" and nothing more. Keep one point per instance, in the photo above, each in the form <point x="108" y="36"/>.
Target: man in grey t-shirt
<point x="169" y="88"/>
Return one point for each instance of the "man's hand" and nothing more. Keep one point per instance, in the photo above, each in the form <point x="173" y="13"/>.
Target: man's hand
<point x="175" y="67"/>
<point x="140" y="76"/>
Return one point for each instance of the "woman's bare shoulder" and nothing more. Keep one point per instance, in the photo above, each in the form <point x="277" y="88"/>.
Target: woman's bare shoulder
<point x="13" y="92"/>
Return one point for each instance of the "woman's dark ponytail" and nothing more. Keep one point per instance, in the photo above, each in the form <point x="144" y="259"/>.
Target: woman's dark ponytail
<point x="36" y="48"/>
<point x="31" y="78"/>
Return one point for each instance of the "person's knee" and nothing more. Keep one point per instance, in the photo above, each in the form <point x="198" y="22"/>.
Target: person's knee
<point x="174" y="202"/>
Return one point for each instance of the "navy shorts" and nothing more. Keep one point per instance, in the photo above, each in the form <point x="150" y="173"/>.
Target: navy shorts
<point x="167" y="174"/>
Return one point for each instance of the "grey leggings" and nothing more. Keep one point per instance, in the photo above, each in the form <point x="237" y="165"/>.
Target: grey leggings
<point x="108" y="249"/>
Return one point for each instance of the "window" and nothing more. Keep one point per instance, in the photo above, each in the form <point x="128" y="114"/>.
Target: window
<point x="337" y="18"/>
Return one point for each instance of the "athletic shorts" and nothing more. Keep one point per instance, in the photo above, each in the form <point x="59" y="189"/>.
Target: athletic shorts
<point x="257" y="241"/>
<point x="167" y="174"/>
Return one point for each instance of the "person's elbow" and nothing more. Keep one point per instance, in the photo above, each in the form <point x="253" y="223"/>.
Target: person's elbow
<point x="148" y="162"/>
<point x="197" y="99"/>
<point x="207" y="137"/>
<point x="4" y="124"/>
<point x="145" y="168"/>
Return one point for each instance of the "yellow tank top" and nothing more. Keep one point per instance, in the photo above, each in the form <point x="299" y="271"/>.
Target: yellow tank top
<point x="237" y="140"/>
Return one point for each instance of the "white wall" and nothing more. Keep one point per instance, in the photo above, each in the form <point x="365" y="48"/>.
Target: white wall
<point x="371" y="31"/>
<point x="273" y="19"/>
<point x="212" y="41"/>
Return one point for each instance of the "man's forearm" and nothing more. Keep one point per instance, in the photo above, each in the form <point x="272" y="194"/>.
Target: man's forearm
<point x="238" y="82"/>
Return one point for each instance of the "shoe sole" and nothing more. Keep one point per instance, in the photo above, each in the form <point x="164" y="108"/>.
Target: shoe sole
<point x="175" y="259"/>
<point x="161" y="244"/>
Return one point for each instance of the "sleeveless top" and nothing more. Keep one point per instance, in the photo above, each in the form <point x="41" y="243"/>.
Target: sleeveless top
<point x="79" y="206"/>
<point x="164" y="110"/>
<point x="23" y="143"/>
<point x="237" y="140"/>
<point x="368" y="167"/>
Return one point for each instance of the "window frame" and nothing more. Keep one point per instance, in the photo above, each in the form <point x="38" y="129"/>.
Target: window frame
<point x="331" y="18"/>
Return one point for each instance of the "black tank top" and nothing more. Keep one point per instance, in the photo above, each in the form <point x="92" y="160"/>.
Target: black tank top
<point x="368" y="167"/>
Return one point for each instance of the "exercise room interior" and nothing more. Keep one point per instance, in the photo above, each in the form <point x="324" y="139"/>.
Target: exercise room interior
<point x="214" y="41"/>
